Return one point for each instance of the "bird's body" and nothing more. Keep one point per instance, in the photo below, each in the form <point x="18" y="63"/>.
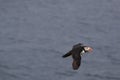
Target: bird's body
<point x="76" y="53"/>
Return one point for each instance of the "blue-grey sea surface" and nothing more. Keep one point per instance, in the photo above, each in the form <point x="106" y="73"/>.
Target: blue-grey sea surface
<point x="34" y="34"/>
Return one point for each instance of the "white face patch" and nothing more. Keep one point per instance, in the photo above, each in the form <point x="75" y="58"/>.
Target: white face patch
<point x="87" y="48"/>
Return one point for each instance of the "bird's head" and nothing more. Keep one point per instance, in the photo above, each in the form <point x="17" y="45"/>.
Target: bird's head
<point x="88" y="49"/>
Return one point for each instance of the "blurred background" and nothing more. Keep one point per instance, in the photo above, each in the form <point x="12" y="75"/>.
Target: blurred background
<point x="34" y="34"/>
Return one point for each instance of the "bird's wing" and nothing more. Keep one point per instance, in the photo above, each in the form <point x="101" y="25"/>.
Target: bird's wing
<point x="77" y="45"/>
<point x="67" y="54"/>
<point x="76" y="63"/>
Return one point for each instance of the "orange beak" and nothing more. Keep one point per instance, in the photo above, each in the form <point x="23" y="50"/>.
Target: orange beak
<point x="90" y="49"/>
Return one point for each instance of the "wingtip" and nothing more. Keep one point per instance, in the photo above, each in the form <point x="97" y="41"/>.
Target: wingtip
<point x="63" y="56"/>
<point x="75" y="68"/>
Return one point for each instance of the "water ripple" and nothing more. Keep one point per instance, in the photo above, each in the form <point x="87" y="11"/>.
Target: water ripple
<point x="102" y="76"/>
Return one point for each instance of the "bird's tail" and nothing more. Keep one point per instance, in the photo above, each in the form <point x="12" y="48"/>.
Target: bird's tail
<point x="67" y="54"/>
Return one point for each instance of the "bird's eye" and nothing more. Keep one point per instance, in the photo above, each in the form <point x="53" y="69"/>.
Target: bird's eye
<point x="87" y="48"/>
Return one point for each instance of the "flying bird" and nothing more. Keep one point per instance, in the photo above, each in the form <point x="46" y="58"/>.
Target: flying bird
<point x="76" y="52"/>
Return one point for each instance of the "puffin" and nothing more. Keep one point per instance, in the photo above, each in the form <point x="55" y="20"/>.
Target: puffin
<point x="76" y="52"/>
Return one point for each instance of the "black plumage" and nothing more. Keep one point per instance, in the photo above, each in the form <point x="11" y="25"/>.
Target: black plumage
<point x="76" y="53"/>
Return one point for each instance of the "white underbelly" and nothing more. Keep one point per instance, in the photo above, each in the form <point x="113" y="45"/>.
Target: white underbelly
<point x="82" y="52"/>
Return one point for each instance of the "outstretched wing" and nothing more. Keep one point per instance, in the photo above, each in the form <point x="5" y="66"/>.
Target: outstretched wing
<point x="77" y="45"/>
<point x="76" y="63"/>
<point x="67" y="54"/>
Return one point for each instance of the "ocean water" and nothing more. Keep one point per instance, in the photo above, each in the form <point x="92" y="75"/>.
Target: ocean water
<point x="34" y="34"/>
